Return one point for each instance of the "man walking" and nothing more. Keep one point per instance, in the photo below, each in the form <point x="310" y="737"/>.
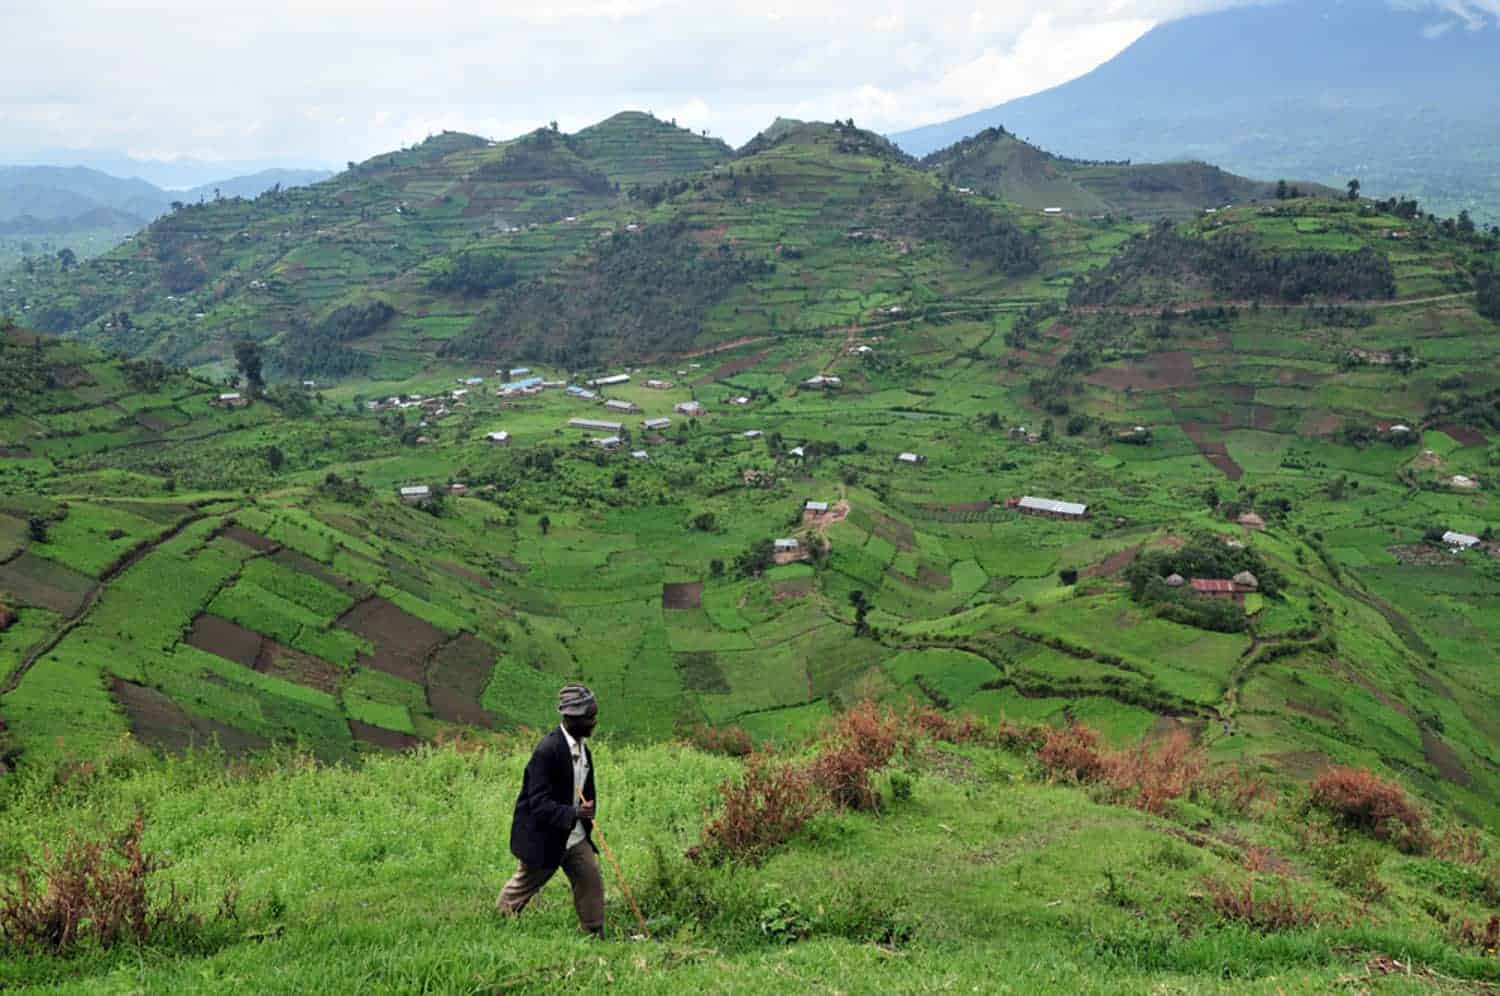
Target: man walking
<point x="555" y="813"/>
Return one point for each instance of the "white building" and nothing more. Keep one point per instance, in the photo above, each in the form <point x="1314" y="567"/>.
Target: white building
<point x="501" y="438"/>
<point x="607" y="442"/>
<point x="655" y="424"/>
<point x="1052" y="507"/>
<point x="688" y="408"/>
<point x="413" y="493"/>
<point x="786" y="545"/>
<point x="911" y="459"/>
<point x="610" y="381"/>
<point x="639" y="455"/>
<point x="1460" y="541"/>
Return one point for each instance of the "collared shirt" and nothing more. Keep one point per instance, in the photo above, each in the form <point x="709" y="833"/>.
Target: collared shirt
<point x="580" y="775"/>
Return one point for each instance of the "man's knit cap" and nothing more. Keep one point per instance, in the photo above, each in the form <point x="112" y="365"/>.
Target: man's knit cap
<point x="576" y="700"/>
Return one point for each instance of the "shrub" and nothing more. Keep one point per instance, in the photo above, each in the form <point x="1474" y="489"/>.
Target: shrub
<point x="1356" y="870"/>
<point x="1072" y="753"/>
<point x="1363" y="801"/>
<point x="98" y="891"/>
<point x="770" y="803"/>
<point x="1150" y="776"/>
<point x="1265" y="910"/>
<point x="1487" y="938"/>
<point x="939" y="725"/>
<point x="731" y="741"/>
<point x="859" y="742"/>
<point x="1236" y="792"/>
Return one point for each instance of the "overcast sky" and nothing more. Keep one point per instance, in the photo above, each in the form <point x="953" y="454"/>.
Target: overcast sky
<point x="324" y="81"/>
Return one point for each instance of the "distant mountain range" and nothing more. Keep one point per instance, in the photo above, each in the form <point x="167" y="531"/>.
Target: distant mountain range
<point x="55" y="200"/>
<point x="1403" y="99"/>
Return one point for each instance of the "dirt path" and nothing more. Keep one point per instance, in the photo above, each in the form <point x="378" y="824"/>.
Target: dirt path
<point x="89" y="601"/>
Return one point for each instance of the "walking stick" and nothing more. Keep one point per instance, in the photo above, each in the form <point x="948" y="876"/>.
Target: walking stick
<point x="624" y="886"/>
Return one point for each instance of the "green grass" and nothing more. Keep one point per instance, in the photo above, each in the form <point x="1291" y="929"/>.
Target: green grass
<point x="384" y="877"/>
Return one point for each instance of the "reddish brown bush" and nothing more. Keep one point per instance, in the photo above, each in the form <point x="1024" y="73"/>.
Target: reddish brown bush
<point x="731" y="741"/>
<point x="1028" y="738"/>
<point x="1150" y="776"/>
<point x="1235" y="791"/>
<point x="1072" y="753"/>
<point x="1265" y="910"/>
<point x="94" y="890"/>
<point x="939" y="725"/>
<point x="1365" y="802"/>
<point x="1485" y="939"/>
<point x="859" y="743"/>
<point x="1461" y="845"/>
<point x="760" y="812"/>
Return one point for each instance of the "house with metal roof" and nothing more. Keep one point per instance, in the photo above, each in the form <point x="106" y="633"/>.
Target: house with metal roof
<point x="656" y="423"/>
<point x="786" y="544"/>
<point x="596" y="423"/>
<point x="1051" y="507"/>
<point x="822" y="380"/>
<point x="910" y="459"/>
<point x="688" y="408"/>
<point x="413" y="493"/>
<point x="610" y="381"/>
<point x="607" y="442"/>
<point x="816" y="507"/>
<point x="620" y="405"/>
<point x="752" y="434"/>
<point x="1460" y="541"/>
<point x="639" y="455"/>
<point x="501" y="438"/>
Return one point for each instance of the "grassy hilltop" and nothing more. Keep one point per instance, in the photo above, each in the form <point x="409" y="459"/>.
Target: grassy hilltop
<point x="984" y="870"/>
<point x="1300" y="388"/>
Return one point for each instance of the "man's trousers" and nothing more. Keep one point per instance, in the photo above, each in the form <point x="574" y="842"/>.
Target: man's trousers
<point x="581" y="865"/>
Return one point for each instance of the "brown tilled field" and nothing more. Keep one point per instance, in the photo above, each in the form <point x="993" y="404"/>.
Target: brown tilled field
<point x="33" y="580"/>
<point x="1160" y="372"/>
<point x="682" y="595"/>
<point x="225" y="639"/>
<point x="387" y="739"/>
<point x="1113" y="564"/>
<point x="456" y="680"/>
<point x="253" y="540"/>
<point x="1467" y="435"/>
<point x="295" y="666"/>
<point x="157" y="721"/>
<point x="402" y="641"/>
<point x="1214" y="451"/>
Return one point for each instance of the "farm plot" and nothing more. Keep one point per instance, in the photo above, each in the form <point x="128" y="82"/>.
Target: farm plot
<point x="456" y="680"/>
<point x="157" y="721"/>
<point x="401" y="640"/>
<point x="45" y="584"/>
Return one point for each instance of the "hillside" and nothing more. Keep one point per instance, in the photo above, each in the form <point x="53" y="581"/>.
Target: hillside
<point x="278" y="266"/>
<point x="1001" y="165"/>
<point x="47" y="209"/>
<point x="311" y="606"/>
<point x="1402" y="101"/>
<point x="984" y="870"/>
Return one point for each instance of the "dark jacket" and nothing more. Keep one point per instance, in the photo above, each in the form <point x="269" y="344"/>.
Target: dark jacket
<point x="545" y="809"/>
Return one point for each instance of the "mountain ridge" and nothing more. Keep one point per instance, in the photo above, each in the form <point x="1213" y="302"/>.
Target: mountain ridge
<point x="1405" y="112"/>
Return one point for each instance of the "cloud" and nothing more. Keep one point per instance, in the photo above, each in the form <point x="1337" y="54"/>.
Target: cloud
<point x="324" y="81"/>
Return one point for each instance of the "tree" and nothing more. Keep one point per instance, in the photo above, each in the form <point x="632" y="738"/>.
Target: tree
<point x="67" y="259"/>
<point x="544" y="524"/>
<point x="1487" y="288"/>
<point x="861" y="603"/>
<point x="1281" y="190"/>
<point x="37" y="526"/>
<point x="274" y="458"/>
<point x="1354" y="190"/>
<point x="249" y="361"/>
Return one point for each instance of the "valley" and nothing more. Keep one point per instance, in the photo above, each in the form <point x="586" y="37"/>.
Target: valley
<point x="743" y="440"/>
